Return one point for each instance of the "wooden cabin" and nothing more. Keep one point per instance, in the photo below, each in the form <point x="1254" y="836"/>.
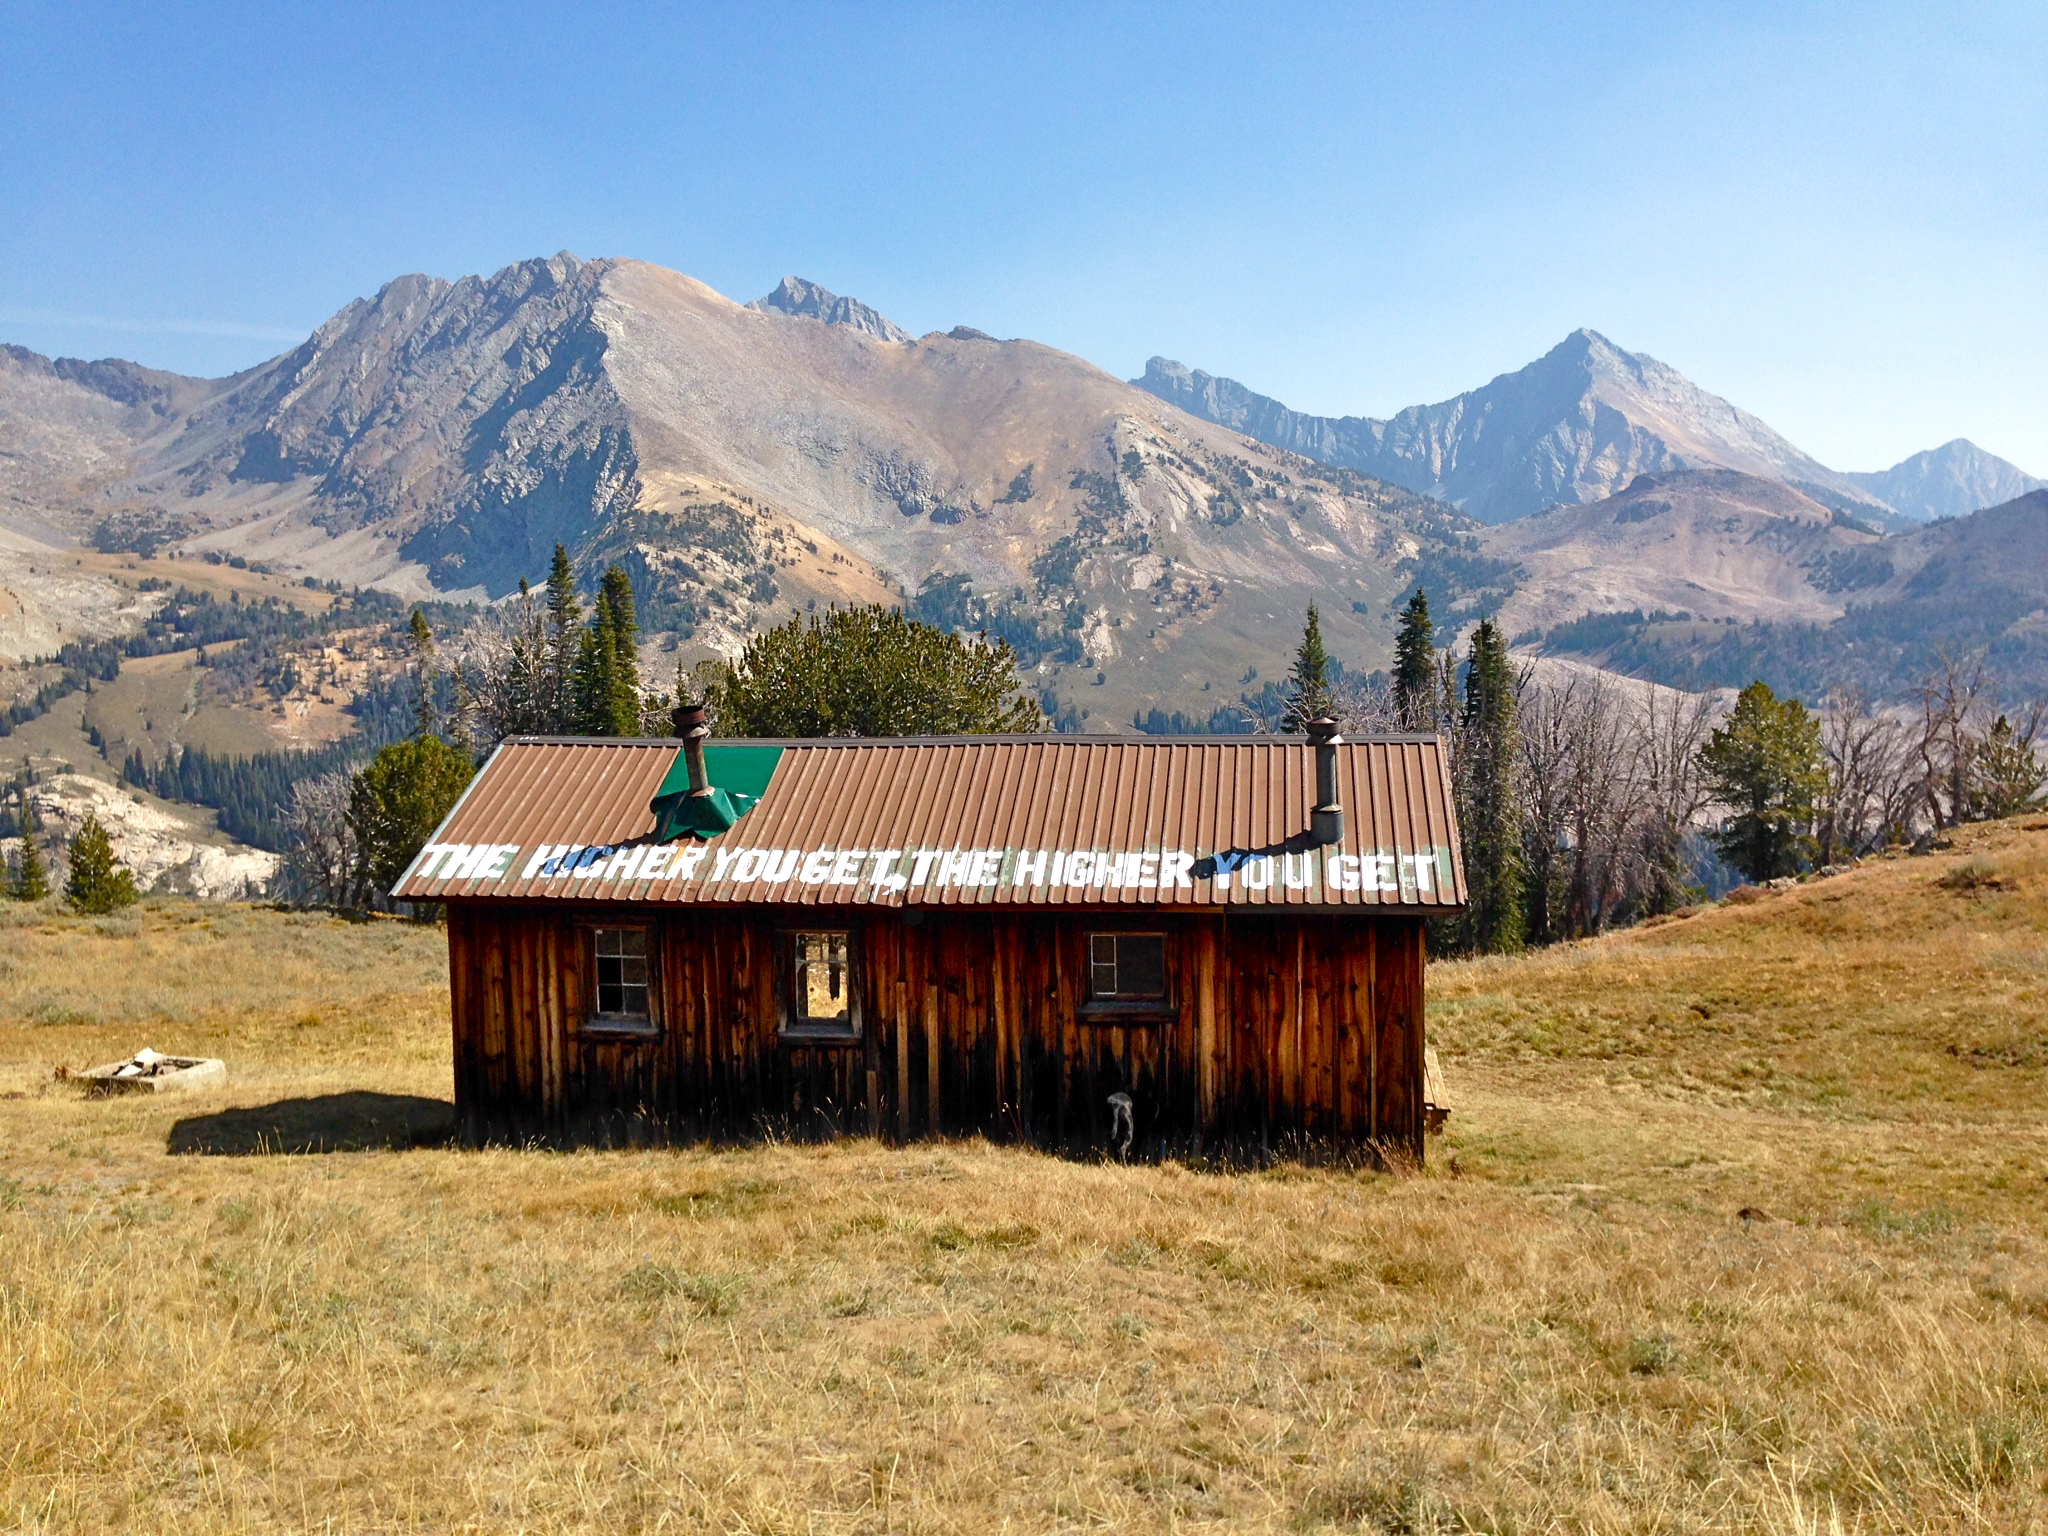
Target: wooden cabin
<point x="1145" y="947"/>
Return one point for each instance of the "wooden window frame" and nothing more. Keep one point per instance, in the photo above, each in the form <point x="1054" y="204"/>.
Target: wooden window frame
<point x="1136" y="1010"/>
<point x="595" y="1025"/>
<point x="800" y="1031"/>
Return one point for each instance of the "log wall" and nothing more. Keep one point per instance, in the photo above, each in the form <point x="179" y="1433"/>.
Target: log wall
<point x="1281" y="1033"/>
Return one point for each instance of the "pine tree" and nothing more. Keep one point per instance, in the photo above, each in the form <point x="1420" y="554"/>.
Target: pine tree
<point x="564" y="625"/>
<point x="590" y="685"/>
<point x="870" y="671"/>
<point x="97" y="883"/>
<point x="606" y="684"/>
<point x="1309" y="695"/>
<point x="623" y="701"/>
<point x="1489" y="815"/>
<point x="28" y="879"/>
<point x="1417" y="679"/>
<point x="395" y="803"/>
<point x="2006" y="772"/>
<point x="1765" y="763"/>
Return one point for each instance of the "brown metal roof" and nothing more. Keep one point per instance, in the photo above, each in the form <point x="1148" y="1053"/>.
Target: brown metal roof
<point x="995" y="820"/>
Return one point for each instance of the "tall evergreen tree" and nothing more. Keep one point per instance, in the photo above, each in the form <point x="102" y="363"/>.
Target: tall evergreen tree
<point x="426" y="718"/>
<point x="28" y="878"/>
<point x="622" y="705"/>
<point x="1417" y="677"/>
<point x="1489" y="813"/>
<point x="97" y="882"/>
<point x="1765" y="764"/>
<point x="1309" y="694"/>
<point x="564" y="626"/>
<point x="590" y="684"/>
<point x="2007" y="773"/>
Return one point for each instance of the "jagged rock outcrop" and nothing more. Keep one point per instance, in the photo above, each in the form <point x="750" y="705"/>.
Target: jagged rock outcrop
<point x="156" y="845"/>
<point x="800" y="296"/>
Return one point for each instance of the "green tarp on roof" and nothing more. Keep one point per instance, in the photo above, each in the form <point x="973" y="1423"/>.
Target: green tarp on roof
<point x="739" y="777"/>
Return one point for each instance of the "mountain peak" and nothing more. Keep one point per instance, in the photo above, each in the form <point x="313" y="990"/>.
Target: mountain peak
<point x="1574" y="426"/>
<point x="799" y="296"/>
<point x="1949" y="481"/>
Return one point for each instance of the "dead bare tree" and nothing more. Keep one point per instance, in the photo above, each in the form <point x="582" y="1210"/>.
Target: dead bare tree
<point x="1949" y="699"/>
<point x="1610" y="786"/>
<point x="1869" y="754"/>
<point x="504" y="666"/>
<point x="1671" y="727"/>
<point x="1547" y="742"/>
<point x="1364" y="706"/>
<point x="1976" y="759"/>
<point x="321" y="859"/>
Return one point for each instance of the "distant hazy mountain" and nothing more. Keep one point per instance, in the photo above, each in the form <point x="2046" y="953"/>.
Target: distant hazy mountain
<point x="1576" y="425"/>
<point x="1695" y="582"/>
<point x="1717" y="544"/>
<point x="1949" y="481"/>
<point x="743" y="462"/>
<point x="798" y="296"/>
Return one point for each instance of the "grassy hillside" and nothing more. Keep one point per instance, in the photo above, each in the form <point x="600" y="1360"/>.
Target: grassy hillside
<point x="1738" y="1225"/>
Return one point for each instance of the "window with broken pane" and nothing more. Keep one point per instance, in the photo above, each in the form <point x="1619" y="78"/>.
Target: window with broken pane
<point x="621" y="975"/>
<point x="824" y="979"/>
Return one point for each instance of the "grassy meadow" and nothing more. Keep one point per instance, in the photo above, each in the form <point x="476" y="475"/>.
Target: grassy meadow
<point x="1738" y="1225"/>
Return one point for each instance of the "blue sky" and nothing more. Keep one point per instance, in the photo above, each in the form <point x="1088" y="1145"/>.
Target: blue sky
<point x="1836" y="215"/>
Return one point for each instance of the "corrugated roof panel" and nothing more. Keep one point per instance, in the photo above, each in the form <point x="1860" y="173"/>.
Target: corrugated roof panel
<point x="1043" y="820"/>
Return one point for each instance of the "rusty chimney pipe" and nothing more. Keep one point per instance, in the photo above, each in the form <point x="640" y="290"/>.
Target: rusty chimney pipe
<point x="688" y="721"/>
<point x="1326" y="816"/>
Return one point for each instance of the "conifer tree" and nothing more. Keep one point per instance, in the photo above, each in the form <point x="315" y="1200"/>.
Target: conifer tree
<point x="590" y="685"/>
<point x="1417" y="677"/>
<point x="97" y="883"/>
<point x="2007" y="772"/>
<point x="1765" y="763"/>
<point x="1309" y="695"/>
<point x="623" y="701"/>
<point x="606" y="683"/>
<point x="564" y="623"/>
<point x="395" y="803"/>
<point x="1489" y="815"/>
<point x="28" y="878"/>
<point x="871" y="671"/>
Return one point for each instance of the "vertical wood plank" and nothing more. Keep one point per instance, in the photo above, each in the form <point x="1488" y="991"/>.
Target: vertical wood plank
<point x="933" y="1120"/>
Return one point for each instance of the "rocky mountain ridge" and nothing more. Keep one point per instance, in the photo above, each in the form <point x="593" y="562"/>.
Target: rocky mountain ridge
<point x="800" y="296"/>
<point x="742" y="461"/>
<point x="1577" y="425"/>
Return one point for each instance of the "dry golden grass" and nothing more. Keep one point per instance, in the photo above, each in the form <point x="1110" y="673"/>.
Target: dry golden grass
<point x="1564" y="1325"/>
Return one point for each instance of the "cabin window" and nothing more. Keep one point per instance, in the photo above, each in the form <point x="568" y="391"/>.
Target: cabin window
<point x="821" y="976"/>
<point x="621" y="979"/>
<point x="1127" y="968"/>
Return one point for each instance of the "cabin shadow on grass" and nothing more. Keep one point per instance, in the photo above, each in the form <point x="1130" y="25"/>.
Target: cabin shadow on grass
<point x="333" y="1122"/>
